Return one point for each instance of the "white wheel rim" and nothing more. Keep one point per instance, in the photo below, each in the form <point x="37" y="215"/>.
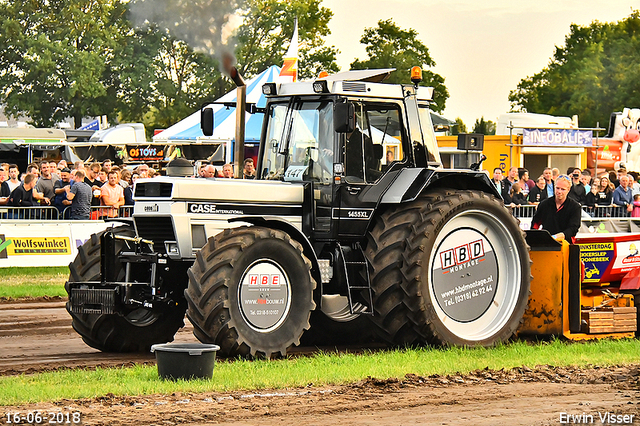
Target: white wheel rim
<point x="475" y="317"/>
<point x="264" y="295"/>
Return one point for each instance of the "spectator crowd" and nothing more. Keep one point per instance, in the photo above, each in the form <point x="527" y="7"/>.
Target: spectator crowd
<point x="86" y="191"/>
<point x="80" y="191"/>
<point x="619" y="190"/>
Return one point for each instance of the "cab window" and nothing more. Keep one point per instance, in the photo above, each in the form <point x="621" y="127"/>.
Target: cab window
<point x="375" y="143"/>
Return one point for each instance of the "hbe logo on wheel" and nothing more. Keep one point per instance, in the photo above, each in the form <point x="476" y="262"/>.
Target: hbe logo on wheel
<point x="264" y="279"/>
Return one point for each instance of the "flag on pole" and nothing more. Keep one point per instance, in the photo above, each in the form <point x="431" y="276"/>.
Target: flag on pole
<point x="289" y="72"/>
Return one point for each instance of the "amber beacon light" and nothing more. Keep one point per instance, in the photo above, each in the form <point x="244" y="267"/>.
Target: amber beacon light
<point x="416" y="75"/>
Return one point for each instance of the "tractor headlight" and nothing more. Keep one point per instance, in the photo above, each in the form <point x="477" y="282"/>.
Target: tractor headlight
<point x="320" y="86"/>
<point x="172" y="249"/>
<point x="269" y="89"/>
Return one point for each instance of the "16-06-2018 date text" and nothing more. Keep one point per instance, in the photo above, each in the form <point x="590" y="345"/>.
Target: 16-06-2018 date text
<point x="37" y="417"/>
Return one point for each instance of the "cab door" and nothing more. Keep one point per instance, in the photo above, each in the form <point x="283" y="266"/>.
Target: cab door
<point x="370" y="152"/>
<point x="310" y="157"/>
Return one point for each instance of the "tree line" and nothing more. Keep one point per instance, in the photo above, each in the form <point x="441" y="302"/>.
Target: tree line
<point x="595" y="72"/>
<point x="156" y="61"/>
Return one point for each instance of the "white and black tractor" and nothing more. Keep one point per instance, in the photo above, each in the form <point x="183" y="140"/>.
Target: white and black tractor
<point x="351" y="230"/>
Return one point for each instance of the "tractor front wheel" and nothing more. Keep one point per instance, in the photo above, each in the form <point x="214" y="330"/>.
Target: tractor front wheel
<point x="250" y="292"/>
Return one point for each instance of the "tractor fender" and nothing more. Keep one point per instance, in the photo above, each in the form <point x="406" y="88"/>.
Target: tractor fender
<point x="282" y="225"/>
<point x="412" y="182"/>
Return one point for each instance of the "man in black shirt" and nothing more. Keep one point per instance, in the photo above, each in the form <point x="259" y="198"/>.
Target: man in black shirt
<point x="91" y="179"/>
<point x="22" y="196"/>
<point x="249" y="171"/>
<point x="578" y="192"/>
<point x="560" y="215"/>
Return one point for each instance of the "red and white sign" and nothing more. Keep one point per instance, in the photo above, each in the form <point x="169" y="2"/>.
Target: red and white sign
<point x="264" y="280"/>
<point x="627" y="257"/>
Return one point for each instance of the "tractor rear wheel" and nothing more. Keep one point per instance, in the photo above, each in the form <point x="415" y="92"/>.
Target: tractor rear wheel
<point x="134" y="332"/>
<point x="250" y="292"/>
<point x="451" y="267"/>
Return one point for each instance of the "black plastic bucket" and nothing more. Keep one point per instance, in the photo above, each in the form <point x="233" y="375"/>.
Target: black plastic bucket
<point x="185" y="360"/>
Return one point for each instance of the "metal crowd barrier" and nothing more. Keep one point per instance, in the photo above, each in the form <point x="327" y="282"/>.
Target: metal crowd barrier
<point x="30" y="213"/>
<point x="611" y="211"/>
<point x="610" y="218"/>
<point x="52" y="213"/>
<point x="523" y="211"/>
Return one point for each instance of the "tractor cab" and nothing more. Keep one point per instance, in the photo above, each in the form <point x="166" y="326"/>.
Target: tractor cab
<point x="346" y="137"/>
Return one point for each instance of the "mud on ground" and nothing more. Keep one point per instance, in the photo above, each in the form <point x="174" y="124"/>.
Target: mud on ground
<point x="521" y="396"/>
<point x="37" y="336"/>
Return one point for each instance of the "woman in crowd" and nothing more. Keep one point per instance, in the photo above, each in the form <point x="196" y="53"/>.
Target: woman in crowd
<point x="606" y="190"/>
<point x="125" y="178"/>
<point x="517" y="197"/>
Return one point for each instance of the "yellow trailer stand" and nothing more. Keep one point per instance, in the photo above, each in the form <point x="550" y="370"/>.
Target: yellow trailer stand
<point x="563" y="302"/>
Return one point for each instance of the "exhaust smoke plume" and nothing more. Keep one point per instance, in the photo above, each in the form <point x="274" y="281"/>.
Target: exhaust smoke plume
<point x="206" y="25"/>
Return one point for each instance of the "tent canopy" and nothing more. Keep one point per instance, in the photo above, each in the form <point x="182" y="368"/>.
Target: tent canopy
<point x="225" y="117"/>
<point x="188" y="129"/>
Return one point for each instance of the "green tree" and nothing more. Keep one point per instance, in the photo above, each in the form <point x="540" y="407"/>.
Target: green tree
<point x="56" y="58"/>
<point x="180" y="42"/>
<point x="459" y="127"/>
<point x="389" y="46"/>
<point x="162" y="79"/>
<point x="184" y="80"/>
<point x="188" y="46"/>
<point x="266" y="33"/>
<point x="486" y="127"/>
<point x="595" y="73"/>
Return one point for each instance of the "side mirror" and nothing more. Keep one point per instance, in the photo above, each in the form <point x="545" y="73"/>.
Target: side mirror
<point x="344" y="117"/>
<point x="206" y="121"/>
<point x="313" y="154"/>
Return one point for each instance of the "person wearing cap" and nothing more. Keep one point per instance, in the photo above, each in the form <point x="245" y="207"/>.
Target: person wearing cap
<point x="559" y="215"/>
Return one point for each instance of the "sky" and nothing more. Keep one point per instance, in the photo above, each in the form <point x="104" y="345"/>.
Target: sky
<point x="483" y="48"/>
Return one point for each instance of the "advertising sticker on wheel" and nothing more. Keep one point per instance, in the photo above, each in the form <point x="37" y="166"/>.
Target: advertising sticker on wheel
<point x="264" y="296"/>
<point x="464" y="274"/>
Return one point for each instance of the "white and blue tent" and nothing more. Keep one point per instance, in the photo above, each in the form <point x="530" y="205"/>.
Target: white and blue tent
<point x="188" y="129"/>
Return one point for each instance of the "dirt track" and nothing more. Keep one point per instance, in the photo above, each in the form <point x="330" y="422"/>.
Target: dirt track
<point x="38" y="336"/>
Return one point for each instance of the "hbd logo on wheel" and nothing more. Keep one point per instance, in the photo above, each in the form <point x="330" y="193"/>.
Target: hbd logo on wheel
<point x="461" y="254"/>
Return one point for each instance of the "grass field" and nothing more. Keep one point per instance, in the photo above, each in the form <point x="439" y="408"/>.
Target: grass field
<point x="17" y="283"/>
<point x="318" y="370"/>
